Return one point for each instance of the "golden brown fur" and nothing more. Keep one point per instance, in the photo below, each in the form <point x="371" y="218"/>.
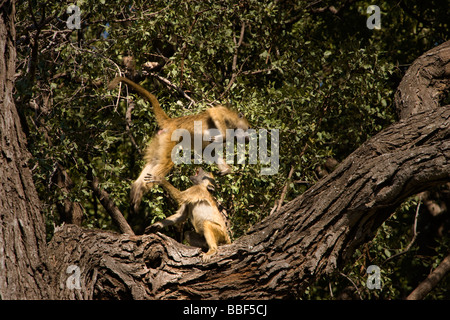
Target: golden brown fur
<point x="197" y="204"/>
<point x="158" y="161"/>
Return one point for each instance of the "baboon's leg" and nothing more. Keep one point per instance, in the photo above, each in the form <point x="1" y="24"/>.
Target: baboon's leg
<point x="212" y="232"/>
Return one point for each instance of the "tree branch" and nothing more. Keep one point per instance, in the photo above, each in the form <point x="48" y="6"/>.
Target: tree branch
<point x="110" y="206"/>
<point x="431" y="281"/>
<point x="173" y="86"/>
<point x="415" y="233"/>
<point x="237" y="44"/>
<point x="128" y="123"/>
<point x="425" y="82"/>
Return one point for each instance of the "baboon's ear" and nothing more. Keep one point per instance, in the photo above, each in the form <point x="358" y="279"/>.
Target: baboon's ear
<point x="193" y="179"/>
<point x="197" y="178"/>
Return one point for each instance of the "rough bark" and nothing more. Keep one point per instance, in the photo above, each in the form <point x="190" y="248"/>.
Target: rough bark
<point x="23" y="270"/>
<point x="425" y="82"/>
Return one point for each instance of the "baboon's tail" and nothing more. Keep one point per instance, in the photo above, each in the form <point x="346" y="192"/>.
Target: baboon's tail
<point x="161" y="116"/>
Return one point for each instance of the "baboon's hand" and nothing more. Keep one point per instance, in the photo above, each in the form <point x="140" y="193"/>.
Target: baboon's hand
<point x="218" y="138"/>
<point x="225" y="171"/>
<point x="154" y="228"/>
<point x="149" y="178"/>
<point x="223" y="167"/>
<point x="206" y="257"/>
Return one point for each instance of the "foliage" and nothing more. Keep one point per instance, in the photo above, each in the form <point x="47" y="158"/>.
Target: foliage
<point x="322" y="78"/>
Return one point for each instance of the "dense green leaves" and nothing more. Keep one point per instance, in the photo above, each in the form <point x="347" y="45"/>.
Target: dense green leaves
<point x="322" y="78"/>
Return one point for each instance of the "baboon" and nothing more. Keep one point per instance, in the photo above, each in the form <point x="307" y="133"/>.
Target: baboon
<point x="158" y="161"/>
<point x="197" y="204"/>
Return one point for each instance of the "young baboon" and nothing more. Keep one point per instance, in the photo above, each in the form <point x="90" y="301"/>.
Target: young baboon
<point x="158" y="160"/>
<point x="197" y="204"/>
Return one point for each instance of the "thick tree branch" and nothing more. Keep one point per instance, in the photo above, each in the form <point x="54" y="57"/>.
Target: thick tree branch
<point x="422" y="88"/>
<point x="23" y="267"/>
<point x="425" y="82"/>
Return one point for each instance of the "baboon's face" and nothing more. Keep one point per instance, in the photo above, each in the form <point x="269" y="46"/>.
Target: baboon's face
<point x="204" y="177"/>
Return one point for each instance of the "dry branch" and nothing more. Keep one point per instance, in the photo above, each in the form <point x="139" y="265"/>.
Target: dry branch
<point x="110" y="206"/>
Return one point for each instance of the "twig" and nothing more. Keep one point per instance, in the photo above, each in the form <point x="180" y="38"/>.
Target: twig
<point x="274" y="208"/>
<point x="128" y="123"/>
<point x="184" y="47"/>
<point x="286" y="184"/>
<point x="70" y="212"/>
<point x="301" y="182"/>
<point x="353" y="283"/>
<point x="285" y="188"/>
<point x="330" y="289"/>
<point x="109" y="206"/>
<point x="241" y="38"/>
<point x="111" y="61"/>
<point x="248" y="72"/>
<point x="173" y="86"/>
<point x="415" y="233"/>
<point x="142" y="16"/>
<point x="235" y="57"/>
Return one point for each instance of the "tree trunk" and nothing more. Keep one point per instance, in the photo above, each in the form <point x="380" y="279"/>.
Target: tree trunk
<point x="23" y="272"/>
<point x="308" y="237"/>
